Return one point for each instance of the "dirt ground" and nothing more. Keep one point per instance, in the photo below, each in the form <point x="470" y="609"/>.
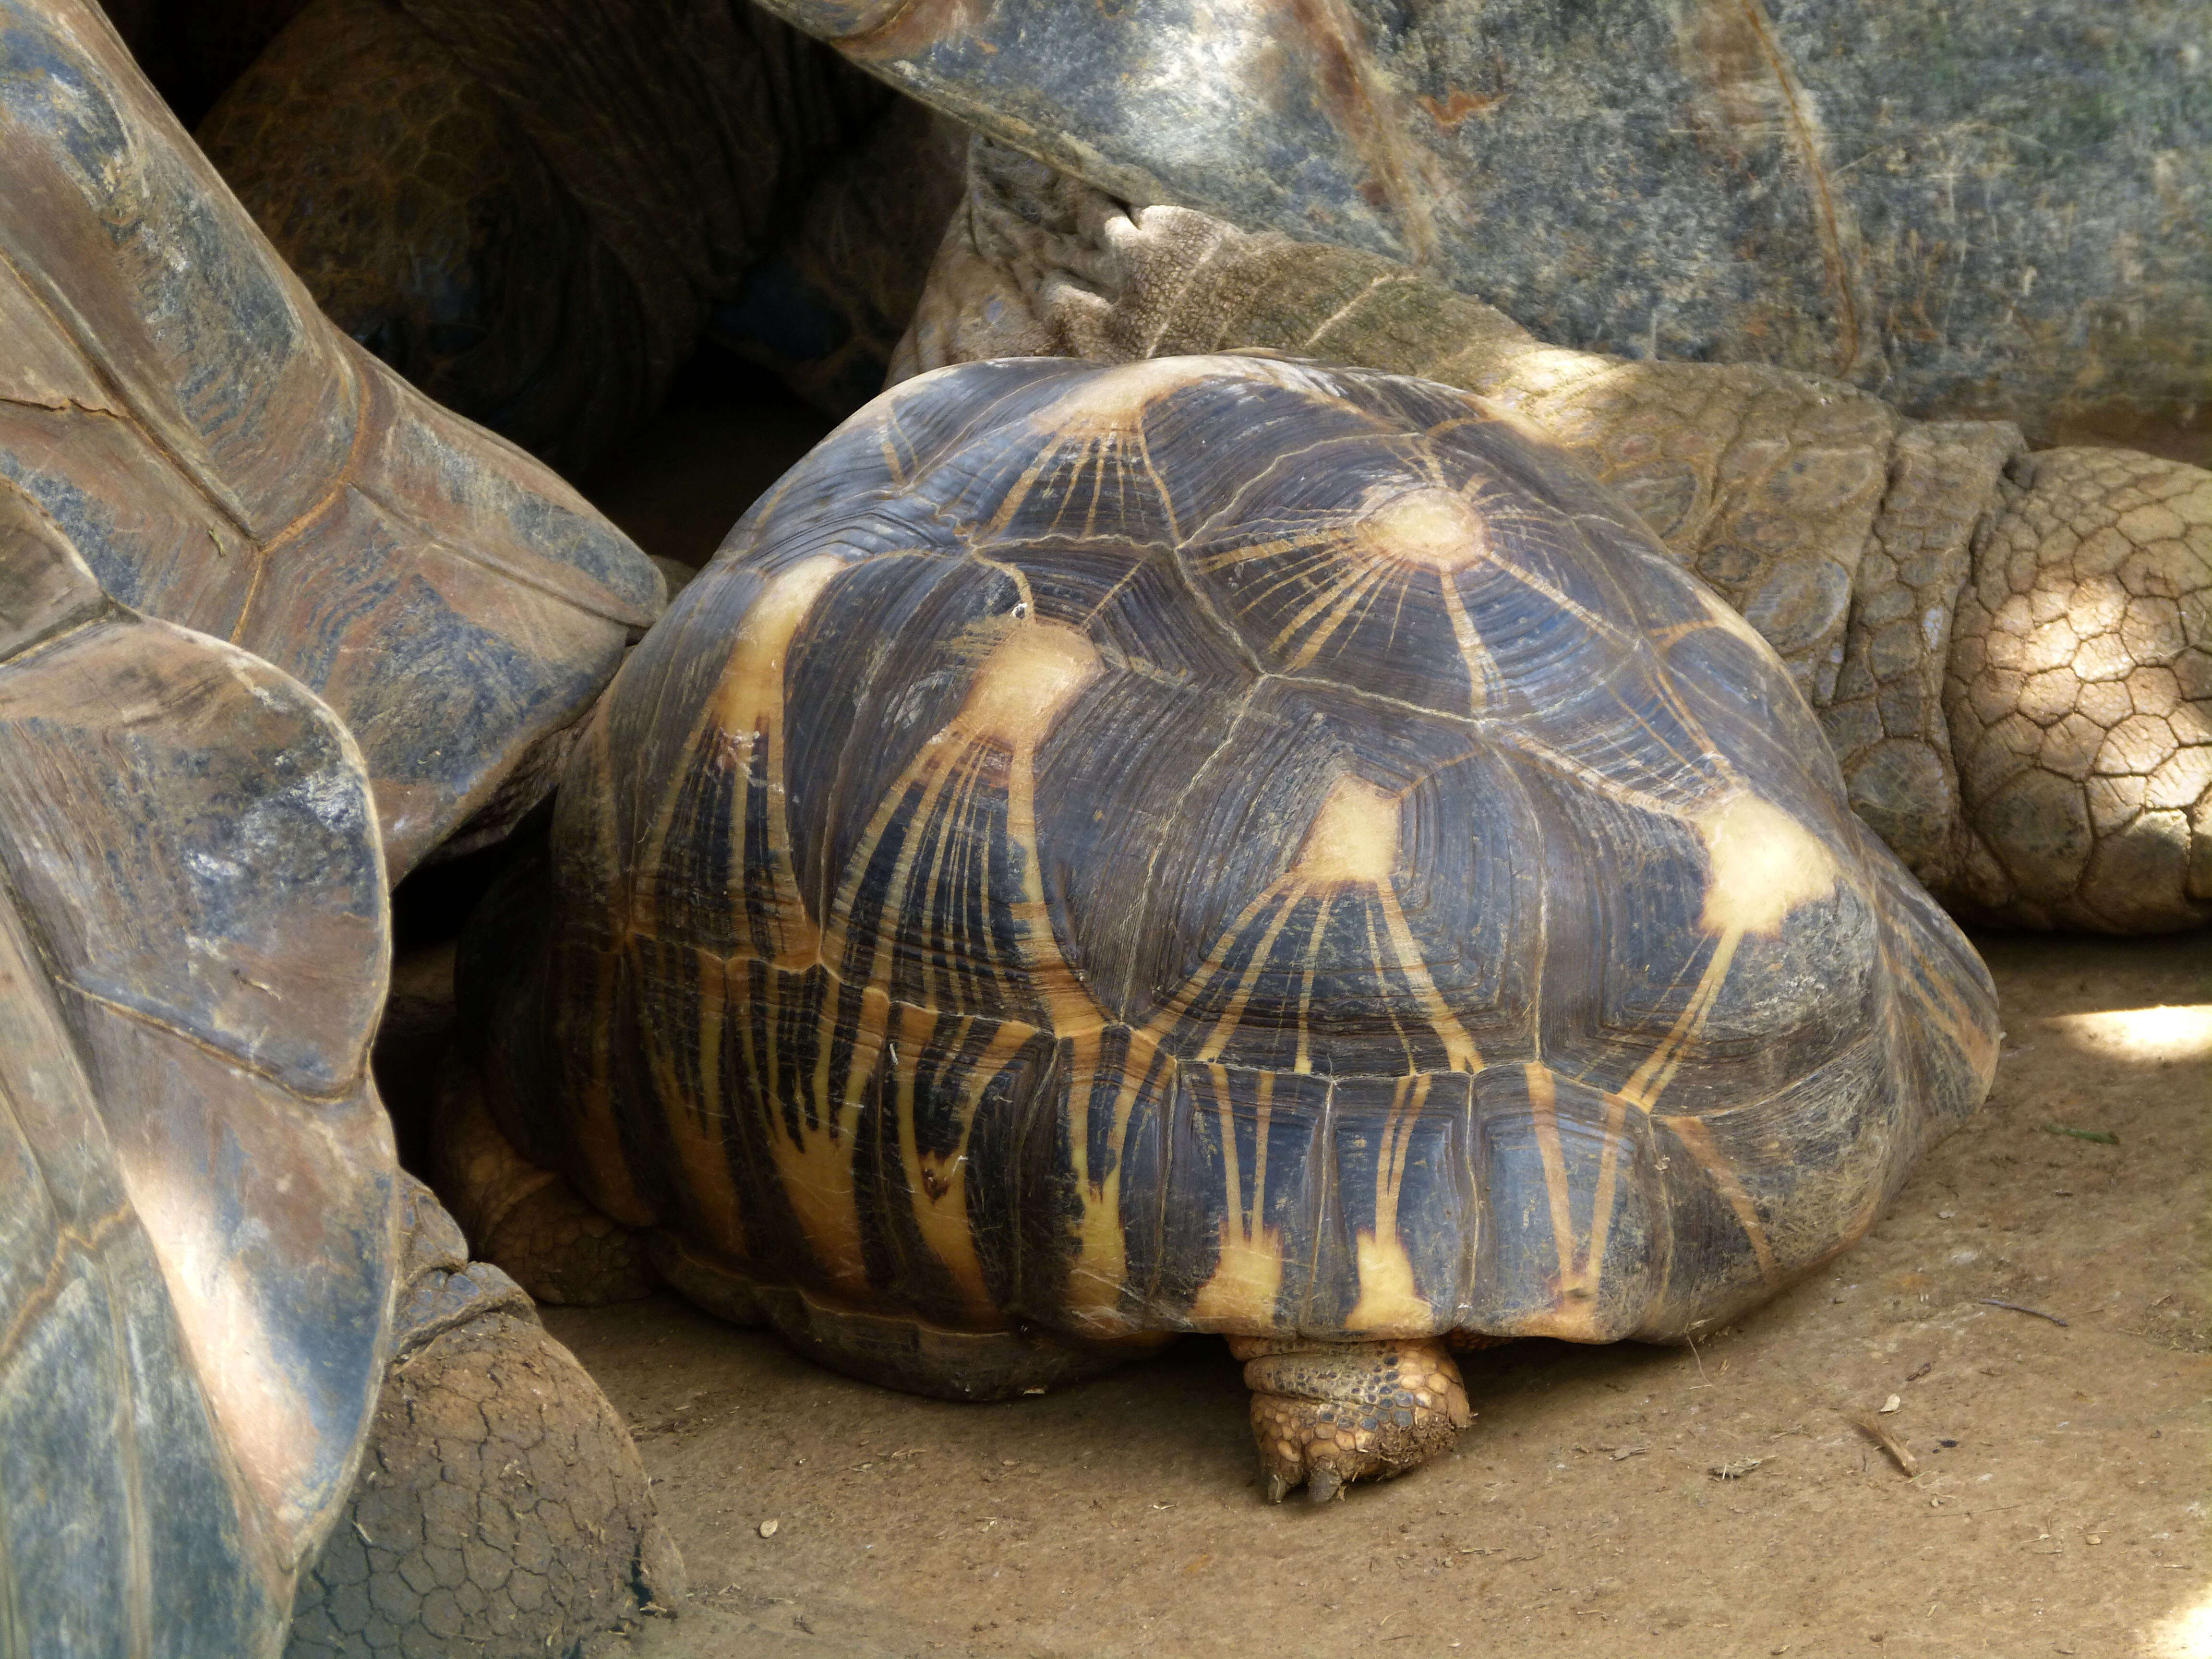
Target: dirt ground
<point x="2059" y="1506"/>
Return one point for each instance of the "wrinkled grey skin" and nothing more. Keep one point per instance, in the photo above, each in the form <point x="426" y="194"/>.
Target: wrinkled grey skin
<point x="1996" y="211"/>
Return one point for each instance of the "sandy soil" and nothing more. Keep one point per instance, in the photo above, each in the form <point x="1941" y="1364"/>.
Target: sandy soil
<point x="2059" y="1506"/>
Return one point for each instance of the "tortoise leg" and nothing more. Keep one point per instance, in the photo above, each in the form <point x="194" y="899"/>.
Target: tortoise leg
<point x="2079" y="673"/>
<point x="501" y="1509"/>
<point x="529" y="1220"/>
<point x="1326" y="1413"/>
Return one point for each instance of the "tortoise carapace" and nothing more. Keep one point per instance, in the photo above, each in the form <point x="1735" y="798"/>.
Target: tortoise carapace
<point x="1225" y="845"/>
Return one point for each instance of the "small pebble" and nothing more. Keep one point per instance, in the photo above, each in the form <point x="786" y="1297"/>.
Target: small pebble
<point x="768" y="1529"/>
<point x="1892" y="1403"/>
<point x="2094" y="1539"/>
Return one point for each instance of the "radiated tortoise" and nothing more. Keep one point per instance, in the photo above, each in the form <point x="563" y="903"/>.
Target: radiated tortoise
<point x="1215" y="844"/>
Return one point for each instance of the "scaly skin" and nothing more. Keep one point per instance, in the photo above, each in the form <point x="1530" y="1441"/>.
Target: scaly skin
<point x="1325" y="1415"/>
<point x="1845" y="532"/>
<point x="501" y="1509"/>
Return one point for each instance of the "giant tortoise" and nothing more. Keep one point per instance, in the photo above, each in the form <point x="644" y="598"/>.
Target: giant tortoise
<point x="225" y="459"/>
<point x="2010" y="650"/>
<point x="1213" y="844"/>
<point x="2000" y="211"/>
<point x="249" y="1380"/>
<point x="220" y="1300"/>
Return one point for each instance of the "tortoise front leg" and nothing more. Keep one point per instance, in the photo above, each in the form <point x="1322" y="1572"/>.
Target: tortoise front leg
<point x="1326" y="1413"/>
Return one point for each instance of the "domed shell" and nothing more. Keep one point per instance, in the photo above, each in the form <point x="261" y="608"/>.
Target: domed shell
<point x="1226" y="844"/>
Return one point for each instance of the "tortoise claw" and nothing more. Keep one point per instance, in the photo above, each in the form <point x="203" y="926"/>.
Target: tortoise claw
<point x="1323" y="1484"/>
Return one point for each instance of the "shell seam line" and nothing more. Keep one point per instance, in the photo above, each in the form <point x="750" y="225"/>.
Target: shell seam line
<point x="129" y="411"/>
<point x="239" y="1062"/>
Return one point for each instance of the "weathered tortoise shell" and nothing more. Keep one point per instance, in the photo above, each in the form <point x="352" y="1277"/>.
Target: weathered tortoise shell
<point x="197" y="1187"/>
<point x="224" y="458"/>
<point x="2000" y="211"/>
<point x="1224" y="844"/>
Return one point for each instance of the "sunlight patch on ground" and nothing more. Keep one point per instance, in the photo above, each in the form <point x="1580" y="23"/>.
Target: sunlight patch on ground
<point x="2164" y="1033"/>
<point x="2187" y="1634"/>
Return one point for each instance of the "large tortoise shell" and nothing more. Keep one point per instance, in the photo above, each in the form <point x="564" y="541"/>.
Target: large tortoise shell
<point x="1226" y="844"/>
<point x="223" y="459"/>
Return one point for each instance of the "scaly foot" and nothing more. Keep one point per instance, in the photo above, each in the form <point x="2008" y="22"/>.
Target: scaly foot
<point x="1326" y="1413"/>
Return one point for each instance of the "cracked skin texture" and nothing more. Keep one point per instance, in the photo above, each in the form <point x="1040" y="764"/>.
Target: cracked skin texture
<point x="501" y="1510"/>
<point x="1920" y="580"/>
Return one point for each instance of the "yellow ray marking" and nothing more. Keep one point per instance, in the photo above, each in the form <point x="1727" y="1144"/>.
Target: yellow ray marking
<point x="1693" y="1134"/>
<point x="1101" y="1263"/>
<point x="1382" y="986"/>
<point x="1326" y="542"/>
<point x="1481" y="668"/>
<point x="603" y="1168"/>
<point x="1649" y="1080"/>
<point x="742" y="721"/>
<point x="1763" y="863"/>
<point x="1292" y="896"/>
<point x="1340" y="600"/>
<point x="814" y="1167"/>
<point x="1544" y="1116"/>
<point x="1302" y="1062"/>
<point x="1031" y="681"/>
<point x="1544" y="754"/>
<point x="1103" y="409"/>
<point x="1566" y="602"/>
<point x="1262" y="1123"/>
<point x="1460" y="1049"/>
<point x="937" y="1184"/>
<point x="1389" y="1301"/>
<point x="696" y="1126"/>
<point x="1248" y="1277"/>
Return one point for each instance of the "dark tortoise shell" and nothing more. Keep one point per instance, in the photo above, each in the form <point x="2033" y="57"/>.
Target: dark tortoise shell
<point x="1223" y="844"/>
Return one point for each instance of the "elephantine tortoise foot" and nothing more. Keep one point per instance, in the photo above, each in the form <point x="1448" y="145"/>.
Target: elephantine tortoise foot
<point x="500" y="1509"/>
<point x="2080" y="700"/>
<point x="1325" y="1415"/>
<point x="530" y="1221"/>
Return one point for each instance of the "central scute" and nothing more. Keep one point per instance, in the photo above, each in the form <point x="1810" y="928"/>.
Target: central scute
<point x="1229" y="844"/>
